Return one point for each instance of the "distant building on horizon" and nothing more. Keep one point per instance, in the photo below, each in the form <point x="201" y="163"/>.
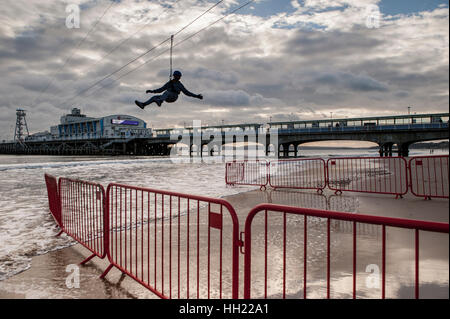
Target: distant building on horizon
<point x="77" y="126"/>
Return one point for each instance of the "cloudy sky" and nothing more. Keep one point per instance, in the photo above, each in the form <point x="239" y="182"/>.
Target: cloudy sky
<point x="285" y="59"/>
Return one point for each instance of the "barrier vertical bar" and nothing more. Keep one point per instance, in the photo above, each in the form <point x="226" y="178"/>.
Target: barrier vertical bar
<point x="170" y="247"/>
<point x="188" y="247"/>
<point x="328" y="257"/>
<point x="354" y="259"/>
<point x="305" y="248"/>
<point x="179" y="248"/>
<point x="284" y="256"/>
<point x="162" y="244"/>
<point x="265" y="258"/>
<point x="417" y="264"/>
<point x="198" y="249"/>
<point x="383" y="263"/>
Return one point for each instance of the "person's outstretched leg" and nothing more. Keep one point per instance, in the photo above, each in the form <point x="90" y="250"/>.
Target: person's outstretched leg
<point x="140" y="104"/>
<point x="159" y="99"/>
<point x="156" y="99"/>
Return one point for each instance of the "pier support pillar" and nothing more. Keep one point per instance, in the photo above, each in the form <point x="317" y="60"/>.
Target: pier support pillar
<point x="286" y="150"/>
<point x="403" y="149"/>
<point x="234" y="148"/>
<point x="386" y="150"/>
<point x="246" y="147"/>
<point x="296" y="150"/>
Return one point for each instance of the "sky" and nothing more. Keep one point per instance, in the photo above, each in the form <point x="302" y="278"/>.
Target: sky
<point x="272" y="60"/>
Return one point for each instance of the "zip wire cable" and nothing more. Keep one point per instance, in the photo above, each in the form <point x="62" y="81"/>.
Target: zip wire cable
<point x="128" y="38"/>
<point x="185" y="39"/>
<point x="177" y="44"/>
<point x="192" y="22"/>
<point x="73" y="52"/>
<point x="125" y="40"/>
<point x="171" y="57"/>
<point x="143" y="54"/>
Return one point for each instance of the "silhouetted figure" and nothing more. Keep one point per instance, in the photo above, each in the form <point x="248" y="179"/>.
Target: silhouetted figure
<point x="171" y="91"/>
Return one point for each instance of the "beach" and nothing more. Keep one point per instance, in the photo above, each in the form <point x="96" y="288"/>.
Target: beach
<point x="36" y="264"/>
<point x="47" y="275"/>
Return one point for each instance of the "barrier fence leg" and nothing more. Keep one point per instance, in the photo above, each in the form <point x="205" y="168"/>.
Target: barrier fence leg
<point x="87" y="259"/>
<point x="59" y="234"/>
<point x="106" y="271"/>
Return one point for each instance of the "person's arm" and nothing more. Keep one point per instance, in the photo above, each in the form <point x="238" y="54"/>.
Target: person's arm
<point x="188" y="93"/>
<point x="160" y="90"/>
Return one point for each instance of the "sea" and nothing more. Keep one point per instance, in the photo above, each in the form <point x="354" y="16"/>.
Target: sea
<point x="27" y="228"/>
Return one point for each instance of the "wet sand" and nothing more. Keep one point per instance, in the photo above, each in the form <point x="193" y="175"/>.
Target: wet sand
<point x="47" y="276"/>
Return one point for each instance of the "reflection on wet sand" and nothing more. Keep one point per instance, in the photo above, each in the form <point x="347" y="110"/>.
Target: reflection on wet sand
<point x="46" y="279"/>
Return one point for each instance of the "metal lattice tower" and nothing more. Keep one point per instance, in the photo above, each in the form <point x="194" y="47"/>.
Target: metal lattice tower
<point x="21" y="126"/>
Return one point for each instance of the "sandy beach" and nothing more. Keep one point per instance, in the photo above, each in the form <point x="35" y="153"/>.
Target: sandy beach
<point x="47" y="276"/>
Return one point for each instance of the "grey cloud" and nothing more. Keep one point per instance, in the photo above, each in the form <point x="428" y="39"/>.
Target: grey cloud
<point x="32" y="83"/>
<point x="308" y="43"/>
<point x="401" y="94"/>
<point x="362" y="83"/>
<point x="213" y="75"/>
<point x="228" y="98"/>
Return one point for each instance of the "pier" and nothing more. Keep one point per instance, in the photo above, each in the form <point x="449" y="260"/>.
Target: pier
<point x="280" y="139"/>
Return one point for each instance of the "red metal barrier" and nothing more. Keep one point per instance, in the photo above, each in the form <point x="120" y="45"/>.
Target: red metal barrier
<point x="315" y="225"/>
<point x="54" y="202"/>
<point x="83" y="214"/>
<point x="428" y="176"/>
<point x="308" y="173"/>
<point x="176" y="245"/>
<point x="380" y="175"/>
<point x="186" y="246"/>
<point x="252" y="173"/>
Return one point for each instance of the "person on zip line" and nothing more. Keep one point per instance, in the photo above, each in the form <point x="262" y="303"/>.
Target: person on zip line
<point x="171" y="91"/>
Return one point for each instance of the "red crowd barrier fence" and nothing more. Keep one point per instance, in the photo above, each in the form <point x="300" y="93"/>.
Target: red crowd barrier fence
<point x="186" y="246"/>
<point x="252" y="173"/>
<point x="277" y="265"/>
<point x="176" y="245"/>
<point x="380" y="175"/>
<point x="428" y="176"/>
<point x="308" y="173"/>
<point x="83" y="214"/>
<point x="54" y="202"/>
